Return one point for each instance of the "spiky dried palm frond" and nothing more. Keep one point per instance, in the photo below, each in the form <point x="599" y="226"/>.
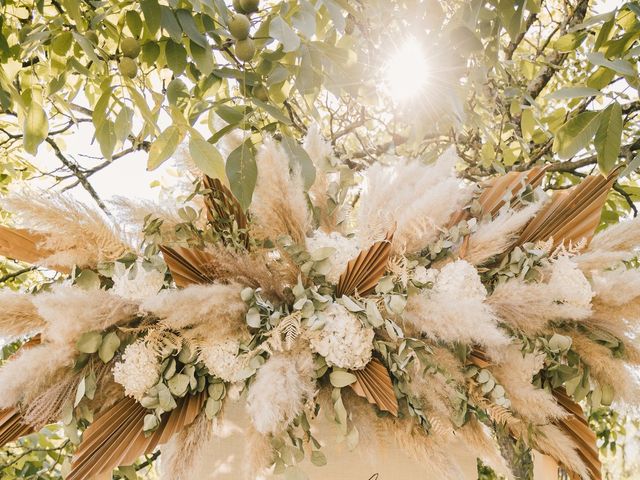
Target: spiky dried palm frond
<point x="117" y="438"/>
<point x="374" y="383"/>
<point x="224" y="212"/>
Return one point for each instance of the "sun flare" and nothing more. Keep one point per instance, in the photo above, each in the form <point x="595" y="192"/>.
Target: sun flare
<point x="406" y="71"/>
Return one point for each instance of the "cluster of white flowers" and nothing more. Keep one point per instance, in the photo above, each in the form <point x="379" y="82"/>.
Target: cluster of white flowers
<point x="222" y="360"/>
<point x="423" y="275"/>
<point x="343" y="341"/>
<point x="568" y="284"/>
<point x="346" y="249"/>
<point x="460" y="278"/>
<point x="138" y="370"/>
<point x="136" y="286"/>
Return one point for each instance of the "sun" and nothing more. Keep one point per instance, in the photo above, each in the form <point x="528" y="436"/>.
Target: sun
<point x="406" y="72"/>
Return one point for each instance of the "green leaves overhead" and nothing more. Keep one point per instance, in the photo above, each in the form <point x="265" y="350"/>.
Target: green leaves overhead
<point x="242" y="172"/>
<point x="36" y="128"/>
<point x="575" y="134"/>
<point x="164" y="146"/>
<point x="609" y="137"/>
<point x="207" y="157"/>
<point x="281" y="31"/>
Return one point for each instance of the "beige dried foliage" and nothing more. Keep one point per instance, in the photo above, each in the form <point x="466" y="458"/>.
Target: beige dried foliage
<point x="622" y="321"/>
<point x="132" y="213"/>
<point x="515" y="373"/>
<point x="18" y="315"/>
<point x="180" y="454"/>
<point x="200" y="310"/>
<point x="611" y="246"/>
<point x="529" y="306"/>
<point x="280" y="391"/>
<point x="418" y="199"/>
<point x="78" y="234"/>
<point x="71" y="311"/>
<point x="279" y="206"/>
<point x="553" y="442"/>
<point x="258" y="452"/>
<point x="616" y="287"/>
<point x="496" y="236"/>
<point x="606" y="369"/>
<point x="31" y="371"/>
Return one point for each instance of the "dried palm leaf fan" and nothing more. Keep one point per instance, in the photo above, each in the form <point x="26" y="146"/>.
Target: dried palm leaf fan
<point x="498" y="192"/>
<point x="576" y="426"/>
<point x="374" y="383"/>
<point x="117" y="438"/>
<point x="188" y="266"/>
<point x="571" y="215"/>
<point x="23" y="245"/>
<point x="365" y="271"/>
<point x="223" y="209"/>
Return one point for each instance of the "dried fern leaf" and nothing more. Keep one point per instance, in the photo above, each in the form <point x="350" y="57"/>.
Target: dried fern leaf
<point x="223" y="209"/>
<point x="188" y="266"/>
<point x="572" y="215"/>
<point x="117" y="437"/>
<point x="575" y="425"/>
<point x="23" y="245"/>
<point x="12" y="426"/>
<point x="374" y="383"/>
<point x="479" y="358"/>
<point x="365" y="271"/>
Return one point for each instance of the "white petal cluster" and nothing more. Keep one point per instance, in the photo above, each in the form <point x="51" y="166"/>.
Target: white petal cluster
<point x="222" y="360"/>
<point x="460" y="278"/>
<point x="423" y="275"/>
<point x="346" y="249"/>
<point x="138" y="370"/>
<point x="138" y="286"/>
<point x="568" y="284"/>
<point x="343" y="341"/>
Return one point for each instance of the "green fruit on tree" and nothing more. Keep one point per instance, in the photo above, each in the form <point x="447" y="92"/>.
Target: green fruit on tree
<point x="260" y="92"/>
<point x="245" y="50"/>
<point x="239" y="26"/>
<point x="250" y="6"/>
<point x="238" y="7"/>
<point x="130" y="47"/>
<point x="92" y="36"/>
<point x="128" y="67"/>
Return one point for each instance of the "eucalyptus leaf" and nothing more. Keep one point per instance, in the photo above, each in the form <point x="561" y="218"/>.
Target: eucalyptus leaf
<point x="341" y="378"/>
<point x="89" y="342"/>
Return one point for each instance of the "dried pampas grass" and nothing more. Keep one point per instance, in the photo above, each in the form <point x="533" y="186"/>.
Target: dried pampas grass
<point x="616" y="287"/>
<point x="18" y="315"/>
<point x="258" y="452"/>
<point x="496" y="236"/>
<point x="280" y="391"/>
<point x="200" y="310"/>
<point x="279" y="206"/>
<point x="391" y="197"/>
<point x="443" y="313"/>
<point x="78" y="235"/>
<point x="611" y="246"/>
<point x="553" y="442"/>
<point x="132" y="213"/>
<point x="70" y="311"/>
<point x="31" y="371"/>
<point x="515" y="373"/>
<point x="180" y="454"/>
<point x="606" y="369"/>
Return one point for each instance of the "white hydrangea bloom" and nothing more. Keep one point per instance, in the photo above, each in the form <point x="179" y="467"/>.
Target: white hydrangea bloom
<point x="138" y="370"/>
<point x="424" y="275"/>
<point x="142" y="285"/>
<point x="346" y="249"/>
<point x="343" y="341"/>
<point x="460" y="278"/>
<point x="222" y="360"/>
<point x="568" y="284"/>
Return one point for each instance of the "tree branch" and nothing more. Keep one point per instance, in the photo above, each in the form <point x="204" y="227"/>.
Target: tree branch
<point x="11" y="276"/>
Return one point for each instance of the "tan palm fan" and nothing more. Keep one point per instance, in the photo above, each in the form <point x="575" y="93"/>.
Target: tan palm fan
<point x="374" y="383"/>
<point x="24" y="245"/>
<point x="117" y="438"/>
<point x="188" y="266"/>
<point x="223" y="209"/>
<point x="12" y="426"/>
